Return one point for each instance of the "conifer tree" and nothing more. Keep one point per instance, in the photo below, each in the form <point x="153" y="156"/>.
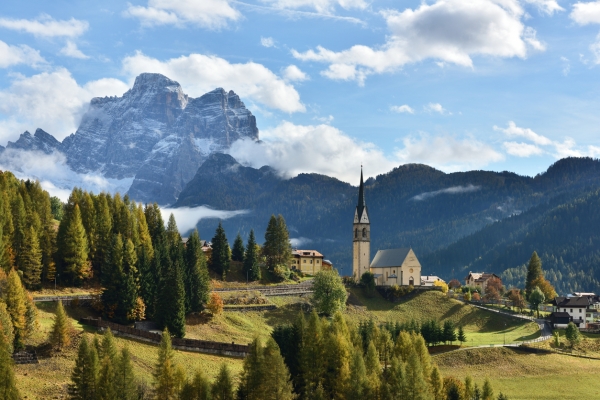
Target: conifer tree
<point x="469" y="388"/>
<point x="145" y="239"/>
<point x="417" y="387"/>
<point x="106" y="389"/>
<point x="149" y="269"/>
<point x="358" y="386"/>
<point x="16" y="307"/>
<point x="276" y="377"/>
<point x="75" y="249"/>
<point x="373" y="368"/>
<point x="171" y="300"/>
<point x="237" y="253"/>
<point x="172" y="233"/>
<point x="487" y="393"/>
<point x="198" y="388"/>
<point x="85" y="373"/>
<point x="437" y="384"/>
<point x="8" y="384"/>
<point x="251" y="266"/>
<point x="276" y="248"/>
<point x="60" y="335"/>
<point x="7" y="327"/>
<point x="19" y="220"/>
<point x="252" y="377"/>
<point x="156" y="225"/>
<point x="396" y="380"/>
<point x="534" y="271"/>
<point x="31" y="321"/>
<point x="461" y="335"/>
<point x="165" y="382"/>
<point x="311" y="356"/>
<point x="31" y="260"/>
<point x="197" y="281"/>
<point x="125" y="385"/>
<point x="88" y="219"/>
<point x="222" y="388"/>
<point x="103" y="234"/>
<point x="220" y="252"/>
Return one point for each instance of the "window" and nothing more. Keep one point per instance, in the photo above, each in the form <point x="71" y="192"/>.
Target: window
<point x="571" y="310"/>
<point x="317" y="261"/>
<point x="356" y="233"/>
<point x="304" y="261"/>
<point x="311" y="261"/>
<point x="364" y="232"/>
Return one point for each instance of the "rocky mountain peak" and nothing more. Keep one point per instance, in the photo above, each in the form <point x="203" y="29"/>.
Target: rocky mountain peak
<point x="39" y="141"/>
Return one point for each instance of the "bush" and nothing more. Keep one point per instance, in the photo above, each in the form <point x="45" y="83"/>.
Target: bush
<point x="396" y="291"/>
<point x="281" y="272"/>
<point x="215" y="304"/>
<point x="367" y="280"/>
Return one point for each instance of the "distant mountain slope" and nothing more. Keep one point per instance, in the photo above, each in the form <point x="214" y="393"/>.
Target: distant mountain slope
<point x="565" y="232"/>
<point x="413" y="205"/>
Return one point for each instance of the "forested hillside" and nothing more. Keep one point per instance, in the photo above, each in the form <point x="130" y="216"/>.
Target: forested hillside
<point x="412" y="205"/>
<point x="565" y="232"/>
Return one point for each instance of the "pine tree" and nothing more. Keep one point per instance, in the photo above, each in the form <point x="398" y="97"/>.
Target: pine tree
<point x="75" y="250"/>
<point x="437" y="384"/>
<point x="16" y="307"/>
<point x="19" y="219"/>
<point x="165" y="382"/>
<point x="534" y="271"/>
<point x="31" y="260"/>
<point x="220" y="252"/>
<point x="251" y="267"/>
<point x="312" y="356"/>
<point x="7" y="327"/>
<point x="85" y="373"/>
<point x="487" y="392"/>
<point x="106" y="389"/>
<point x="125" y="385"/>
<point x="396" y="381"/>
<point x="156" y="225"/>
<point x="171" y="300"/>
<point x="469" y="388"/>
<point x="416" y="385"/>
<point x="149" y="269"/>
<point x="103" y="234"/>
<point x="60" y="335"/>
<point x="461" y="335"/>
<point x="144" y="236"/>
<point x="373" y="368"/>
<point x="88" y="219"/>
<point x="172" y="233"/>
<point x="222" y="389"/>
<point x="197" y="281"/>
<point x="8" y="384"/>
<point x="358" y="386"/>
<point x="237" y="253"/>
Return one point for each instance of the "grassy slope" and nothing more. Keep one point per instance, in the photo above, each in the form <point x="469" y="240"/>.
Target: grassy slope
<point x="526" y="376"/>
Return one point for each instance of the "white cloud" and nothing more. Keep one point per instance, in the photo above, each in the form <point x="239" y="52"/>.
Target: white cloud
<point x="54" y="174"/>
<point x="451" y="190"/>
<point x="210" y="14"/>
<point x="320" y="6"/>
<point x="187" y="218"/>
<point x="450" y="31"/>
<point x="514" y="130"/>
<point x="325" y="120"/>
<point x="13" y="55"/>
<point x="291" y="149"/>
<point x="595" y="49"/>
<point x="521" y="149"/>
<point x="71" y="50"/>
<point x="298" y="242"/>
<point x="403" y="109"/>
<point x="437" y="107"/>
<point x="292" y="73"/>
<point x="546" y="6"/>
<point x="53" y="101"/>
<point x="447" y="153"/>
<point x="46" y="26"/>
<point x="267" y="42"/>
<point x="198" y="74"/>
<point x="586" y="13"/>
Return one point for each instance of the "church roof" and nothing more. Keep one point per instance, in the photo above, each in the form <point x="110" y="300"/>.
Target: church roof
<point x="362" y="205"/>
<point x="390" y="258"/>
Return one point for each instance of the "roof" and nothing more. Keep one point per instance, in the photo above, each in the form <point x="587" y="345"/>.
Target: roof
<point x="560" y="314"/>
<point x="481" y="276"/>
<point x="327" y="262"/>
<point x="571" y="301"/>
<point x="390" y="258"/>
<point x="306" y="253"/>
<point x="430" y="278"/>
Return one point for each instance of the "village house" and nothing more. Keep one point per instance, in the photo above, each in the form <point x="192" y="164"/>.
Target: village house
<point x="570" y="309"/>
<point x="479" y="279"/>
<point x="430" y="280"/>
<point x="309" y="261"/>
<point x="396" y="267"/>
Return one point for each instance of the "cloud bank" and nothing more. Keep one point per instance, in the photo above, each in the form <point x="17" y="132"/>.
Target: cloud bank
<point x="187" y="218"/>
<point x="46" y="27"/>
<point x="14" y="55"/>
<point x="320" y="6"/>
<point x="451" y="190"/>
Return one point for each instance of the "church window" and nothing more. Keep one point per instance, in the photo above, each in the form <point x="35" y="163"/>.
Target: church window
<point x="364" y="232"/>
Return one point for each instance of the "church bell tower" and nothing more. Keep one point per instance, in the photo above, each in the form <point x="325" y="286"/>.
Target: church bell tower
<point x="361" y="259"/>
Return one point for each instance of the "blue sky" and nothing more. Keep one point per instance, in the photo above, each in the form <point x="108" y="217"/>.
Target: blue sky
<point x="456" y="84"/>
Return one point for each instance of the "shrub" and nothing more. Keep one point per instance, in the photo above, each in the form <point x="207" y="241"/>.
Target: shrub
<point x="215" y="304"/>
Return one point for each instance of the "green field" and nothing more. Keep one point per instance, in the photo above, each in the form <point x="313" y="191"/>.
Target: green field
<point x="525" y="376"/>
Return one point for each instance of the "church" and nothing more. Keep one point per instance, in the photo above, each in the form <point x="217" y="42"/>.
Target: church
<point x="389" y="267"/>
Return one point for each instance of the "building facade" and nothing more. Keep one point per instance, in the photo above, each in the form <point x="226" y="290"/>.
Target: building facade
<point x="361" y="245"/>
<point x="308" y="261"/>
<point x="396" y="267"/>
<point x="479" y="279"/>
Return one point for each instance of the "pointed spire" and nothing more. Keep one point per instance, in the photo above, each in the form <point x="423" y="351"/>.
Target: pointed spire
<point x="361" y="191"/>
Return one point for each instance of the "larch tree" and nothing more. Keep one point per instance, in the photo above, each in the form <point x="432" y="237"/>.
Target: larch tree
<point x="16" y="307"/>
<point x="60" y="335"/>
<point x="221" y="254"/>
<point x="197" y="281"/>
<point x="165" y="380"/>
<point x="103" y="234"/>
<point x="358" y="385"/>
<point x="75" y="250"/>
<point x="251" y="266"/>
<point x="437" y="384"/>
<point x="487" y="392"/>
<point x="312" y="356"/>
<point x="8" y="384"/>
<point x="84" y="378"/>
<point x="7" y="327"/>
<point x="125" y="385"/>
<point x="198" y="388"/>
<point x="252" y="376"/>
<point x="222" y="388"/>
<point x="31" y="260"/>
<point x="276" y="377"/>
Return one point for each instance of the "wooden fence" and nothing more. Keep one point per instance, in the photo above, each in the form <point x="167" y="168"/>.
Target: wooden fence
<point x="194" y="345"/>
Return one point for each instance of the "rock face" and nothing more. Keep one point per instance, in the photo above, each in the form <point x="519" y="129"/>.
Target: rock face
<point x="157" y="134"/>
<point x="40" y="141"/>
